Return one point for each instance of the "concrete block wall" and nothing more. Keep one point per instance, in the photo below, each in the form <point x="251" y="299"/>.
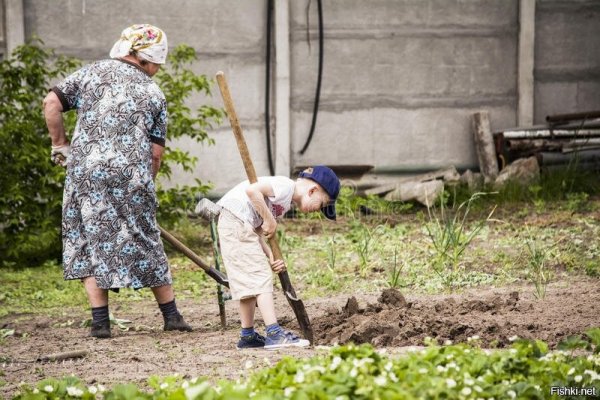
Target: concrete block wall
<point x="2" y="31"/>
<point x="567" y="57"/>
<point x="401" y="77"/>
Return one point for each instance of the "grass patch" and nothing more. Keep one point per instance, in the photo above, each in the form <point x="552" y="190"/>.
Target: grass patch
<point x="43" y="289"/>
<point x="39" y="289"/>
<point x="359" y="254"/>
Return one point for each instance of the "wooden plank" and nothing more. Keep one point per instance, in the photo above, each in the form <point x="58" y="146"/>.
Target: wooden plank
<point x="63" y="356"/>
<point x="484" y="145"/>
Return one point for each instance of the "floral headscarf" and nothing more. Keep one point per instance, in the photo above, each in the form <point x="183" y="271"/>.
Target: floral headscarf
<point x="147" y="40"/>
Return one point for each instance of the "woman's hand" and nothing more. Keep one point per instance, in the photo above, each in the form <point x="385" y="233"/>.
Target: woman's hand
<point x="60" y="154"/>
<point x="277" y="265"/>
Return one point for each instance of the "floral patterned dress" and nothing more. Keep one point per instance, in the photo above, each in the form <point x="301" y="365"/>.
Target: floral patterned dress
<point x="109" y="224"/>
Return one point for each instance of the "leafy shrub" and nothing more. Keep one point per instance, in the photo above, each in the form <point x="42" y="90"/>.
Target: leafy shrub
<point x="527" y="370"/>
<point x="31" y="197"/>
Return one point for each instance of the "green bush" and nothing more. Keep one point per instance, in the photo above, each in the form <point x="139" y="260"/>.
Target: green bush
<point x="31" y="195"/>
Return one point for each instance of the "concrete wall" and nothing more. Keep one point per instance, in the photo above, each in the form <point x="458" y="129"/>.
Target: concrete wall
<point x="401" y="77"/>
<point x="2" y="31"/>
<point x="567" y="57"/>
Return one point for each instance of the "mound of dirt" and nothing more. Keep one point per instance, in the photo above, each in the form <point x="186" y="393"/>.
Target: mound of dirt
<point x="494" y="317"/>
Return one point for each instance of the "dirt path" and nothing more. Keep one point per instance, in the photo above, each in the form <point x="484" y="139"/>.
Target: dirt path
<point x="493" y="314"/>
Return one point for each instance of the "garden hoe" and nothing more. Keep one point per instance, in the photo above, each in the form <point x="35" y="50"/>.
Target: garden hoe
<point x="210" y="271"/>
<point x="290" y="294"/>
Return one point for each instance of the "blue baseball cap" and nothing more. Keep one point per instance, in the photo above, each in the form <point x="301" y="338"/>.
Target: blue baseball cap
<point x="329" y="181"/>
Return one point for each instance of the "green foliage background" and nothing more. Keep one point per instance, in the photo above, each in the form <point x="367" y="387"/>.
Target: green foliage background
<point x="31" y="185"/>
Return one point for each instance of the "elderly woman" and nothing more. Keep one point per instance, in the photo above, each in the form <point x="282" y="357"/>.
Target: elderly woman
<point x="110" y="235"/>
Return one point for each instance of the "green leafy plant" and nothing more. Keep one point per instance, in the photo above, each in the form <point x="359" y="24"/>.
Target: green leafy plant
<point x="594" y="336"/>
<point x="31" y="197"/>
<point x="538" y="200"/>
<point x="450" y="237"/>
<point x="365" y="241"/>
<point x="349" y="204"/>
<point x="4" y="333"/>
<point x="119" y="323"/>
<point x="394" y="274"/>
<point x="537" y="265"/>
<point x="525" y="371"/>
<point x="589" y="342"/>
<point x="577" y="202"/>
<point x="572" y="343"/>
<point x="331" y="252"/>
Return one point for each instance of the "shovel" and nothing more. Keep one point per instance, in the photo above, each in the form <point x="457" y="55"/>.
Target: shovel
<point x="290" y="294"/>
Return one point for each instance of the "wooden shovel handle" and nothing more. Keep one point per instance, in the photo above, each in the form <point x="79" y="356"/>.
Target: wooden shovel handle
<point x="237" y="129"/>
<point x="210" y="271"/>
<point x="244" y="152"/>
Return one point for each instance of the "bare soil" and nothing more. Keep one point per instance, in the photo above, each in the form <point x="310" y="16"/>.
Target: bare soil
<point x="390" y="319"/>
<point x="494" y="315"/>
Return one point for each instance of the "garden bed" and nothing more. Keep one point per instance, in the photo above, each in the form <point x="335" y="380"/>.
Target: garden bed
<point x="494" y="315"/>
<point x="495" y="296"/>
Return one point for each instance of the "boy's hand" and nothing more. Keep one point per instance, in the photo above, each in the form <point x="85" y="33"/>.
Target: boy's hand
<point x="269" y="227"/>
<point x="276" y="265"/>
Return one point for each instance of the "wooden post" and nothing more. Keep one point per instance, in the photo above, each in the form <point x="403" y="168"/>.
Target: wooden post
<point x="283" y="164"/>
<point x="484" y="144"/>
<point x="526" y="62"/>
<point x="14" y="25"/>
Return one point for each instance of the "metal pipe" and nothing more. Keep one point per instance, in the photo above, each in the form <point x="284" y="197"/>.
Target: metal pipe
<point x="559" y="118"/>
<point x="547" y="133"/>
<point x="585" y="157"/>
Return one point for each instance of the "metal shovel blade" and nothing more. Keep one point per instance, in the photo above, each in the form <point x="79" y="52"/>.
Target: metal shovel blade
<point x="296" y="304"/>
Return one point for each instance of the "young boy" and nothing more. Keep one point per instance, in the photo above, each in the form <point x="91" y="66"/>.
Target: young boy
<point x="247" y="219"/>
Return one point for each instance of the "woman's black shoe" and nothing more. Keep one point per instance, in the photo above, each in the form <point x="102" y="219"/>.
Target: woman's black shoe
<point x="100" y="330"/>
<point x="176" y="323"/>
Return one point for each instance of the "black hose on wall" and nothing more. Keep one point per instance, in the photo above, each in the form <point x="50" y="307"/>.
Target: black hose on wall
<point x="268" y="83"/>
<point x="268" y="87"/>
<point x="319" y="79"/>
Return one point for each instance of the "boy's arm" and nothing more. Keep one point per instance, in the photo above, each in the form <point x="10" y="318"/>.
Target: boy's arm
<point x="276" y="265"/>
<point x="256" y="193"/>
<point x="265" y="247"/>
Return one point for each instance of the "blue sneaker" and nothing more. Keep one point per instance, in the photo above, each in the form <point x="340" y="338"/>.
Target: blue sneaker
<point x="254" y="341"/>
<point x="284" y="339"/>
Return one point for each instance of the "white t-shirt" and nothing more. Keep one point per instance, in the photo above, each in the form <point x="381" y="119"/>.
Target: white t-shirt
<point x="238" y="203"/>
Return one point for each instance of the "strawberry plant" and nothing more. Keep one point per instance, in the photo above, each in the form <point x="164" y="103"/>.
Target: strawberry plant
<point x="527" y="370"/>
